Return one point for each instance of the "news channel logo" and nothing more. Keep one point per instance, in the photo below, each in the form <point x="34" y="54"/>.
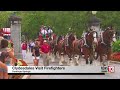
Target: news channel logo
<point x="108" y="69"/>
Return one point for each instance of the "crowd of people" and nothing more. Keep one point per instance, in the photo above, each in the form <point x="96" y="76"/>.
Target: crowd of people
<point x="7" y="56"/>
<point x="45" y="31"/>
<point x="38" y="50"/>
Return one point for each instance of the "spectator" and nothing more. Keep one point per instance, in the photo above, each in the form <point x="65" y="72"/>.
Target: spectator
<point x="29" y="47"/>
<point x="32" y="45"/>
<point x="36" y="54"/>
<point x="3" y="66"/>
<point x="45" y="50"/>
<point x="4" y="48"/>
<point x="24" y="49"/>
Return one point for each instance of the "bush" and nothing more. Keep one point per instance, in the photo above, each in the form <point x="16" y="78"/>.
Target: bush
<point x="116" y="46"/>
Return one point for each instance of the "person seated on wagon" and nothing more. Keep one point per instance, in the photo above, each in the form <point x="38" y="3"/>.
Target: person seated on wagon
<point x="44" y="32"/>
<point x="42" y="27"/>
<point x="50" y="31"/>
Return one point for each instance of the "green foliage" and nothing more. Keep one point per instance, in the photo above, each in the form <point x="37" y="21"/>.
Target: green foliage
<point x="60" y="21"/>
<point x="4" y="15"/>
<point x="116" y="46"/>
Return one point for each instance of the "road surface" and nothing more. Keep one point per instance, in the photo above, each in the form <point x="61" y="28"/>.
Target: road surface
<point x="115" y="75"/>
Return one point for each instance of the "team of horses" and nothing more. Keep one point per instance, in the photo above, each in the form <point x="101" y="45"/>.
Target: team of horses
<point x="92" y="46"/>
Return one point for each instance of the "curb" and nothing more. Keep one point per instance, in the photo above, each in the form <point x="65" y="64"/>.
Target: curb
<point x="116" y="62"/>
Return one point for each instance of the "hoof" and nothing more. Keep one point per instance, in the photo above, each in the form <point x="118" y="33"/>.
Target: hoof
<point x="60" y="63"/>
<point x="71" y="63"/>
<point x="77" y="62"/>
<point x="91" y="62"/>
<point x="62" y="60"/>
<point x="53" y="60"/>
<point x="86" y="62"/>
<point x="68" y="63"/>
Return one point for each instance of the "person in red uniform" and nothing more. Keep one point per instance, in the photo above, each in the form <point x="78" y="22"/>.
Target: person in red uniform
<point x="45" y="52"/>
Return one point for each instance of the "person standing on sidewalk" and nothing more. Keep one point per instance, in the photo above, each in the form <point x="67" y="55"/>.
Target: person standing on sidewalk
<point x="24" y="49"/>
<point x="36" y="54"/>
<point x="45" y="52"/>
<point x="32" y="45"/>
<point x="29" y="47"/>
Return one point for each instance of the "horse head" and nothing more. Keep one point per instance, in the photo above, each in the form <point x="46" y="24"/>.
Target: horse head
<point x="59" y="38"/>
<point x="109" y="36"/>
<point x="71" y="38"/>
<point x="91" y="38"/>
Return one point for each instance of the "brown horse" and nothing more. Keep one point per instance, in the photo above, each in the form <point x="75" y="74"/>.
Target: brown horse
<point x="104" y="45"/>
<point x="52" y="43"/>
<point x="69" y="50"/>
<point x="77" y="45"/>
<point x="88" y="48"/>
<point x="60" y="48"/>
<point x="56" y="47"/>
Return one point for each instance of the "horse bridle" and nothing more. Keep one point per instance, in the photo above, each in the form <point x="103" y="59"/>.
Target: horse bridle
<point x="94" y="36"/>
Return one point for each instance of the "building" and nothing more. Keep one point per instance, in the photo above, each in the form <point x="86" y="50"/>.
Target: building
<point x="6" y="33"/>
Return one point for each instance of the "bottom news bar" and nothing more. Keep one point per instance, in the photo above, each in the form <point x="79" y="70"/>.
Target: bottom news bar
<point x="56" y="73"/>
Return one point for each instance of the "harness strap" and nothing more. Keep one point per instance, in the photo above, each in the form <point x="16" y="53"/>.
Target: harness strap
<point x="0" y="53"/>
<point x="61" y="41"/>
<point x="102" y="37"/>
<point x="85" y="39"/>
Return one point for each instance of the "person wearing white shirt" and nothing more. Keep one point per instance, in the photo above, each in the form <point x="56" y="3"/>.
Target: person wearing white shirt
<point x="32" y="45"/>
<point x="50" y="31"/>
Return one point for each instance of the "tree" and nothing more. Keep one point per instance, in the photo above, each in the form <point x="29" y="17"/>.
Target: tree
<point x="60" y="21"/>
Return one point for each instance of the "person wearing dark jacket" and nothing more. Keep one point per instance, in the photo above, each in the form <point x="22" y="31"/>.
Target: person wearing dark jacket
<point x="36" y="54"/>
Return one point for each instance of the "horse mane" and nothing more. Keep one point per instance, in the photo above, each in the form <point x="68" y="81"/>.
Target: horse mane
<point x="107" y="33"/>
<point x="71" y="38"/>
<point x="89" y="38"/>
<point x="59" y="38"/>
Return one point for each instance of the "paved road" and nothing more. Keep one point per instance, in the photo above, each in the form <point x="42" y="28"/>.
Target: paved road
<point x="115" y="75"/>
